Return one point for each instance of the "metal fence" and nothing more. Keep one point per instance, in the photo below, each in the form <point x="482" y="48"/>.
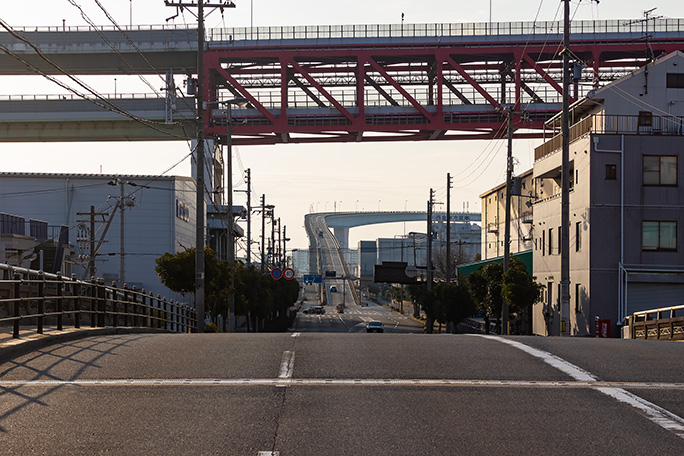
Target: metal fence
<point x="37" y="299"/>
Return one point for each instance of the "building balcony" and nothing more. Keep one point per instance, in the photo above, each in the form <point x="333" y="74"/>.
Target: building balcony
<point x="615" y="125"/>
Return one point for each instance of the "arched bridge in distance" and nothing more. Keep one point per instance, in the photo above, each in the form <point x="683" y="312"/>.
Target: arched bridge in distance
<point x="318" y="224"/>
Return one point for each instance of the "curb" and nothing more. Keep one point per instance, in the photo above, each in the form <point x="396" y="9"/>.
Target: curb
<point x="21" y="346"/>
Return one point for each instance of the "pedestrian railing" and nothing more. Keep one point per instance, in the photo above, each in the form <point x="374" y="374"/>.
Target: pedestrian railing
<point x="663" y="324"/>
<point x="37" y="299"/>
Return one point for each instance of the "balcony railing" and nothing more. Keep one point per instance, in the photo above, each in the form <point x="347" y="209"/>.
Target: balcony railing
<point x="615" y="125"/>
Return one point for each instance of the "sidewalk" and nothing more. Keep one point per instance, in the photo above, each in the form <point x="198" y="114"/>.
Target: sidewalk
<point x="30" y="340"/>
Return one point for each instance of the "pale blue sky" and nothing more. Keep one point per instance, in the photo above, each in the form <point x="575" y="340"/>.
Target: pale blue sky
<point x="297" y="177"/>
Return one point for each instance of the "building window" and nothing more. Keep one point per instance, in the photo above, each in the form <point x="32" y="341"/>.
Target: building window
<point x="611" y="172"/>
<point x="560" y="241"/>
<point x="660" y="170"/>
<point x="578" y="298"/>
<point x="645" y="118"/>
<point x="550" y="241"/>
<point x="659" y="236"/>
<point x="578" y="236"/>
<point x="543" y="243"/>
<point x="675" y="80"/>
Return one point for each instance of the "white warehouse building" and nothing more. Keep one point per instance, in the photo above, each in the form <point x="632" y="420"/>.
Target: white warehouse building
<point x="158" y="217"/>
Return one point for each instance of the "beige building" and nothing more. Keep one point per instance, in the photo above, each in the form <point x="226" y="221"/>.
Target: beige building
<point x="494" y="217"/>
<point x="626" y="206"/>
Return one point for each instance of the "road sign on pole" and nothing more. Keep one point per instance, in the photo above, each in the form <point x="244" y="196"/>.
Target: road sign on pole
<point x="288" y="273"/>
<point x="277" y="273"/>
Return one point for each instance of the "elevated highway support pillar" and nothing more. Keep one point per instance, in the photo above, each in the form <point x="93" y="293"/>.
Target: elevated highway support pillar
<point x="342" y="236"/>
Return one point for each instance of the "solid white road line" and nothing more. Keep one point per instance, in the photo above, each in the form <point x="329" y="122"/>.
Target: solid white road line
<point x="287" y="365"/>
<point x="553" y="360"/>
<point x="656" y="414"/>
<point x="288" y="381"/>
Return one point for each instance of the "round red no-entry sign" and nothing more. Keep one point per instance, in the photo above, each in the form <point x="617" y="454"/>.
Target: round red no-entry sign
<point x="289" y="274"/>
<point x="276" y="273"/>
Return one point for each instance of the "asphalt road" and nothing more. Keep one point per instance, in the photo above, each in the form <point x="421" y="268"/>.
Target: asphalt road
<point x="350" y="393"/>
<point x="354" y="318"/>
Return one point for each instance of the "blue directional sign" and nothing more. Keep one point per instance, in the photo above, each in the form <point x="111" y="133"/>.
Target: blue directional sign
<point x="313" y="278"/>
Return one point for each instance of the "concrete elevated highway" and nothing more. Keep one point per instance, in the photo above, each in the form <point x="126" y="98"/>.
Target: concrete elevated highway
<point x="312" y="84"/>
<point x="322" y="239"/>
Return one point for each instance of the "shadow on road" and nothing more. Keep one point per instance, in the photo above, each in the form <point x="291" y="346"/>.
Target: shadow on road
<point x="63" y="362"/>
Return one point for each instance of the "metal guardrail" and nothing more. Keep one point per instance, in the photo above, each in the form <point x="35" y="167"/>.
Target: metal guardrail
<point x="473" y="29"/>
<point x="34" y="298"/>
<point x="659" y="324"/>
<point x="494" y="29"/>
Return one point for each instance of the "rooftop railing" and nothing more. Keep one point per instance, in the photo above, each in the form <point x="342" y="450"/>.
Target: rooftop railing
<point x="615" y="125"/>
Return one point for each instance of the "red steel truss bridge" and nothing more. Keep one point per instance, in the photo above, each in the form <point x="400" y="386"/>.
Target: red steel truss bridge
<point x="354" y="83"/>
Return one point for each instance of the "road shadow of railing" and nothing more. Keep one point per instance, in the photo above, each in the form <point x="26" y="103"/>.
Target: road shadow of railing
<point x="85" y="354"/>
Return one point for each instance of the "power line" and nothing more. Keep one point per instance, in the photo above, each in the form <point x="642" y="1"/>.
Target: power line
<point x="99" y="100"/>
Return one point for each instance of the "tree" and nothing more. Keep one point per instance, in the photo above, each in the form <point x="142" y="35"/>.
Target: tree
<point x="519" y="288"/>
<point x="453" y="304"/>
<point x="263" y="300"/>
<point x="177" y="273"/>
<point x="485" y="288"/>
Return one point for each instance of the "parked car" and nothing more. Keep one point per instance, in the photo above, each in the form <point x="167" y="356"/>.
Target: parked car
<point x="374" y="326"/>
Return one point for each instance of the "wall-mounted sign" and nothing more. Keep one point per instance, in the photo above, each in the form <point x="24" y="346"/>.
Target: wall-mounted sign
<point x="182" y="210"/>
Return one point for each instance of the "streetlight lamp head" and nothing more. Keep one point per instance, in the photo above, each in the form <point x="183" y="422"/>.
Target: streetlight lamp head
<point x="238" y="101"/>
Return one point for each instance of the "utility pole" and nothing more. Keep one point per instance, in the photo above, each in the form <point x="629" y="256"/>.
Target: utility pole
<point x="429" y="241"/>
<point x="231" y="222"/>
<point x="507" y="226"/>
<point x="285" y="246"/>
<point x="94" y="248"/>
<point x="91" y="260"/>
<point x="273" y="244"/>
<point x="122" y="238"/>
<point x="263" y="231"/>
<point x="199" y="202"/>
<point x="448" y="229"/>
<point x="564" y="310"/>
<point x="248" y="178"/>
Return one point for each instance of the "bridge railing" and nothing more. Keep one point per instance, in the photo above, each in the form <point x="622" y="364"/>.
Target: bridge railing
<point x="474" y="29"/>
<point x="662" y="324"/>
<point x="36" y="299"/>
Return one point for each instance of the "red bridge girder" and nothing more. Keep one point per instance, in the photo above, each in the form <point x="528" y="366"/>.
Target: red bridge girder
<point x="400" y="90"/>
